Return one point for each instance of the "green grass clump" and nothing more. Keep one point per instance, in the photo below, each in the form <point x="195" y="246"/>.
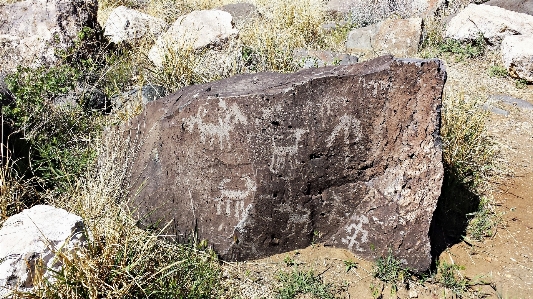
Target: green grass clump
<point x="463" y="50"/>
<point x="447" y="276"/>
<point x="498" y="71"/>
<point x="390" y="270"/>
<point x="303" y="282"/>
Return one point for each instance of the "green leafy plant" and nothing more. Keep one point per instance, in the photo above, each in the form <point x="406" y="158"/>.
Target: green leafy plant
<point x="464" y="50"/>
<point x="289" y="261"/>
<point x="498" y="71"/>
<point x="390" y="270"/>
<point x="521" y="83"/>
<point x="447" y="275"/>
<point x="300" y="282"/>
<point x="350" y="265"/>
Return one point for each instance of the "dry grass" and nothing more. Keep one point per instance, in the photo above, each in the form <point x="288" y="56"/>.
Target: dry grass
<point x="121" y="260"/>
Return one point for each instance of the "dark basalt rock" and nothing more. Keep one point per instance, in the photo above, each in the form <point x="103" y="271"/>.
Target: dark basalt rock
<point x="261" y="164"/>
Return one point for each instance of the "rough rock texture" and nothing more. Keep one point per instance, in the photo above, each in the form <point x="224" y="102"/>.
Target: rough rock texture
<point x="241" y="12"/>
<point x="263" y="163"/>
<point x="397" y="37"/>
<point x="124" y="24"/>
<point x="522" y="6"/>
<point x="32" y="30"/>
<point x="195" y="30"/>
<point x="33" y="234"/>
<point x="143" y="95"/>
<point x="313" y="58"/>
<point x="493" y="22"/>
<point x="376" y="10"/>
<point x="517" y="54"/>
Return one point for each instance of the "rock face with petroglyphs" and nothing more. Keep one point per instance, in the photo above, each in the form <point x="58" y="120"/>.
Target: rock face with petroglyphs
<point x="265" y="163"/>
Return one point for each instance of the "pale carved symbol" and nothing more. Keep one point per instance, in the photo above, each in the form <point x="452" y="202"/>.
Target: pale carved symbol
<point x="347" y="124"/>
<point x="281" y="153"/>
<point x="234" y="198"/>
<point x="232" y="115"/>
<point x="354" y="231"/>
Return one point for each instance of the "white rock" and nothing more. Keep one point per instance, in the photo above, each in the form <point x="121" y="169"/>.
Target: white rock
<point x="126" y="24"/>
<point x="195" y="30"/>
<point x="397" y="37"/>
<point x="517" y="54"/>
<point x="33" y="234"/>
<point x="493" y="22"/>
<point x="32" y="31"/>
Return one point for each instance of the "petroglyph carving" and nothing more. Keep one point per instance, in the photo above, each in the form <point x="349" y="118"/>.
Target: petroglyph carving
<point x="348" y="124"/>
<point x="221" y="130"/>
<point x="234" y="197"/>
<point x="355" y="230"/>
<point x="280" y="154"/>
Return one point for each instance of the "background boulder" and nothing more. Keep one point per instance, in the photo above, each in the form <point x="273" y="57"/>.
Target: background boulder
<point x="35" y="234"/>
<point x="193" y="31"/>
<point x="32" y="31"/>
<point x="517" y="54"/>
<point x="491" y="22"/>
<point x="396" y="37"/>
<point x="265" y="163"/>
<point x="124" y="24"/>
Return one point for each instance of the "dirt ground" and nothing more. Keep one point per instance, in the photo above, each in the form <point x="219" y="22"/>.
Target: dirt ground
<point x="498" y="267"/>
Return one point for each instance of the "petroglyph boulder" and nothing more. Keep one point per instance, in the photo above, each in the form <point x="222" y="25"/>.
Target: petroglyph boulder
<point x="261" y="164"/>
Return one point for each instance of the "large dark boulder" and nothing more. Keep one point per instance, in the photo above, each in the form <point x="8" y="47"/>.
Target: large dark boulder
<point x="522" y="6"/>
<point x="265" y="163"/>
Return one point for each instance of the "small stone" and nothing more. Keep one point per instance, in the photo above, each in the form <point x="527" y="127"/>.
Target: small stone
<point x="241" y="12"/>
<point x="413" y="294"/>
<point x="521" y="6"/>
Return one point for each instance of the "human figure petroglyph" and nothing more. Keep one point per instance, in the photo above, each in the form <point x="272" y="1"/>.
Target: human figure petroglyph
<point x="235" y="197"/>
<point x="355" y="230"/>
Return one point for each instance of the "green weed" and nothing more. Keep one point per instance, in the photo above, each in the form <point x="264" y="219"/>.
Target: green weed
<point x="300" y="282"/>
<point x="390" y="270"/>
<point x="463" y="50"/>
<point x="498" y="71"/>
<point x="448" y="277"/>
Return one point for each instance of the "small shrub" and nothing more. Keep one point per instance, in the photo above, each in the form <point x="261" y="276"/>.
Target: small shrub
<point x="446" y="275"/>
<point x="521" y="83"/>
<point x="463" y="50"/>
<point x="389" y="269"/>
<point x="484" y="220"/>
<point x="498" y="71"/>
<point x="299" y="283"/>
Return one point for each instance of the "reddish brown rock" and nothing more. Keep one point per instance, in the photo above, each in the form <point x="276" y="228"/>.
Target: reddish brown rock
<point x="265" y="163"/>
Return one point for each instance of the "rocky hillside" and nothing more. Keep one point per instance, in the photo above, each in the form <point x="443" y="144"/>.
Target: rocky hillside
<point x="266" y="149"/>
